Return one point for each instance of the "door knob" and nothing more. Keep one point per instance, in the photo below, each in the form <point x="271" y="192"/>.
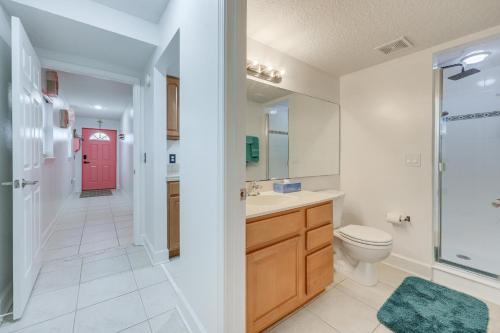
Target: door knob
<point x="496" y="203"/>
<point x="29" y="182"/>
<point x="85" y="162"/>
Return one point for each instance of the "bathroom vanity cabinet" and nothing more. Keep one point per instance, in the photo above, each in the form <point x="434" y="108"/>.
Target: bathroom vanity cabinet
<point x="289" y="261"/>
<point x="173" y="218"/>
<point x="173" y="84"/>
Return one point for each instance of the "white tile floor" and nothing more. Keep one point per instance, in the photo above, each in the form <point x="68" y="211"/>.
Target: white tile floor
<point x="347" y="307"/>
<point x="94" y="280"/>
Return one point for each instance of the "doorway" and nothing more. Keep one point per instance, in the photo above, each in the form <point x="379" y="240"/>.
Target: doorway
<point x="98" y="159"/>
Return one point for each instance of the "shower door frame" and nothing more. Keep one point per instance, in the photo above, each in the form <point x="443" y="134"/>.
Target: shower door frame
<point x="437" y="168"/>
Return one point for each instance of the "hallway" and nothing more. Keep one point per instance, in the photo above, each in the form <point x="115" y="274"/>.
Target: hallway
<point x="94" y="279"/>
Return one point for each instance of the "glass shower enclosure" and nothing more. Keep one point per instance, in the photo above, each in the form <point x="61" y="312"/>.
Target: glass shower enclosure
<point x="467" y="169"/>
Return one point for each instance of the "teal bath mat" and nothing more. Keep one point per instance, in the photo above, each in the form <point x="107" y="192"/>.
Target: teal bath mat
<point x="420" y="306"/>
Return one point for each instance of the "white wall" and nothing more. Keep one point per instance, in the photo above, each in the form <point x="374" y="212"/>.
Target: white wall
<point x="86" y="122"/>
<point x="5" y="166"/>
<point x="198" y="271"/>
<point x="126" y="152"/>
<point x="387" y="111"/>
<point x="57" y="173"/>
<point x="304" y="79"/>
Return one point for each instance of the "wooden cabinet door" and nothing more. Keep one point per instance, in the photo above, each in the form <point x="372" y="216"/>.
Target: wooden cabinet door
<point x="319" y="270"/>
<point x="173" y="226"/>
<point x="172" y="108"/>
<point x="274" y="283"/>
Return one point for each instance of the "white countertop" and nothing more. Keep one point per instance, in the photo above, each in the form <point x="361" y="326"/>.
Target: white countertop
<point x="293" y="200"/>
<point x="173" y="178"/>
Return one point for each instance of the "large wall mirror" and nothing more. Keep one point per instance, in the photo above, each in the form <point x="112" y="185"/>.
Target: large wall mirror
<point x="289" y="135"/>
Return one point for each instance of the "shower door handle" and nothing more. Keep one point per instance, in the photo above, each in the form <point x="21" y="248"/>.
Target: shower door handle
<point x="496" y="203"/>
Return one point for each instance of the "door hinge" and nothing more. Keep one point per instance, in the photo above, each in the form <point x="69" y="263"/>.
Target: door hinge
<point x="145" y="158"/>
<point x="441" y="166"/>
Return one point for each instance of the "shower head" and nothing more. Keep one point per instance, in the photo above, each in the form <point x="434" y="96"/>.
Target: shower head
<point x="464" y="73"/>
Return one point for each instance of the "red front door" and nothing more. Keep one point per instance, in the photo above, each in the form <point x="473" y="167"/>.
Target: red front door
<point x="98" y="159"/>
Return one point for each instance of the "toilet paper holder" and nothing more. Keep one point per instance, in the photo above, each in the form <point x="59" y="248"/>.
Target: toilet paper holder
<point x="397" y="218"/>
<point x="405" y="218"/>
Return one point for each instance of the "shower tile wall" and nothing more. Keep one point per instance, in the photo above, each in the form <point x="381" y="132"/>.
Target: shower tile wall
<point x="471" y="180"/>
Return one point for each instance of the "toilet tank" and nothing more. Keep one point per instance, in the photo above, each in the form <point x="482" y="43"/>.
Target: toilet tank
<point x="338" y="206"/>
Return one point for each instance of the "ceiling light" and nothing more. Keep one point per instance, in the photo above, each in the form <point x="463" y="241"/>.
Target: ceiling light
<point x="474" y="58"/>
<point x="98" y="107"/>
<point x="264" y="72"/>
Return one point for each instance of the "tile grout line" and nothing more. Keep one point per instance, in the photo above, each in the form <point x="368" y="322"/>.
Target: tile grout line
<point x="359" y="299"/>
<point x="319" y="317"/>
<point x="139" y="292"/>
<point x="78" y="295"/>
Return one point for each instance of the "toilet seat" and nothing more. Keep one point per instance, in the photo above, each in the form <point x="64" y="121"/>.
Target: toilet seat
<point x="364" y="235"/>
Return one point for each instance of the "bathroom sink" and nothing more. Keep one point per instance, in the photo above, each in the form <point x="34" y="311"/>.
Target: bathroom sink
<point x="271" y="200"/>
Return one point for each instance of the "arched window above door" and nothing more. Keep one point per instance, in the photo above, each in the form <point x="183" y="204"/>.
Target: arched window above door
<point x="99" y="136"/>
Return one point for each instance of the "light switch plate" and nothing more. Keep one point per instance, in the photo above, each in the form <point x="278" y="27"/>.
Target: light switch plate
<point x="413" y="160"/>
<point x="171" y="158"/>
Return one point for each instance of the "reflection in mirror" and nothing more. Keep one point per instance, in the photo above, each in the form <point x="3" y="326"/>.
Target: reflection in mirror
<point x="289" y="135"/>
<point x="277" y="134"/>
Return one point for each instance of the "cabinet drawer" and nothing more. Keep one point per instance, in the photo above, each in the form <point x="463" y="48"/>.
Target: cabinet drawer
<point x="319" y="270"/>
<point x="320" y="215"/>
<point x="173" y="188"/>
<point x="273" y="229"/>
<point x="319" y="237"/>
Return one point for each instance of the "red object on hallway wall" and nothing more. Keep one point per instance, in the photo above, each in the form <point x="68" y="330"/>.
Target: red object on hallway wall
<point x="76" y="144"/>
<point x="98" y="159"/>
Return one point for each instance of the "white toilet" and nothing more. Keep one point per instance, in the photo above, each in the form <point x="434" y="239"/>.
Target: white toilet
<point x="361" y="247"/>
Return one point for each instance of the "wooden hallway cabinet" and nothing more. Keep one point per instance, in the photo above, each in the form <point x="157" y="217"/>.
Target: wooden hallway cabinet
<point x="173" y="219"/>
<point x="173" y="85"/>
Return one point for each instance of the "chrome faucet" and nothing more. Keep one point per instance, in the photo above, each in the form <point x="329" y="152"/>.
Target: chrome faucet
<point x="254" y="189"/>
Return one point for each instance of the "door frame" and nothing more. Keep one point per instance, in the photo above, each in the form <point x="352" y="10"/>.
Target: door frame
<point x="138" y="147"/>
<point x="116" y="153"/>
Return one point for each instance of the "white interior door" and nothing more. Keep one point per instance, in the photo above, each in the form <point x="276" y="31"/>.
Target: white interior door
<point x="26" y="160"/>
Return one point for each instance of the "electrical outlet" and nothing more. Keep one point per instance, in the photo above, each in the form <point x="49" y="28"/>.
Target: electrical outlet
<point x="171" y="158"/>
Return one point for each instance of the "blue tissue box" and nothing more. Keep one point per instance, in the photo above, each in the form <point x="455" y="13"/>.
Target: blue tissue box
<point x="287" y="187"/>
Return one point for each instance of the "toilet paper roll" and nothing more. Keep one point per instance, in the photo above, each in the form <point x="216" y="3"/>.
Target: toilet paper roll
<point x="395" y="217"/>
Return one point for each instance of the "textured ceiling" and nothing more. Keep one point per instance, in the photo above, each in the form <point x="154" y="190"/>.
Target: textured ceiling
<point x="82" y="93"/>
<point x="339" y="36"/>
<point x="149" y="10"/>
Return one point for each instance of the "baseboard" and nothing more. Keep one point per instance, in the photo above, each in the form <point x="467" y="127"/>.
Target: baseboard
<point x="467" y="282"/>
<point x="156" y="257"/>
<point x="185" y="310"/>
<point x="5" y="300"/>
<point x="409" y="265"/>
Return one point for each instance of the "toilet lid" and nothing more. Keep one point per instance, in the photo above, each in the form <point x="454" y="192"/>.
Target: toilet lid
<point x="367" y="235"/>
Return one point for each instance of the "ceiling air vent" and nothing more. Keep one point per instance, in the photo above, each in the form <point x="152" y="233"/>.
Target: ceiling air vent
<point x="394" y="46"/>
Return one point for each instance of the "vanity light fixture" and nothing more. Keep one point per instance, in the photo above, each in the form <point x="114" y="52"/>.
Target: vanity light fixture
<point x="475" y="57"/>
<point x="264" y="72"/>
